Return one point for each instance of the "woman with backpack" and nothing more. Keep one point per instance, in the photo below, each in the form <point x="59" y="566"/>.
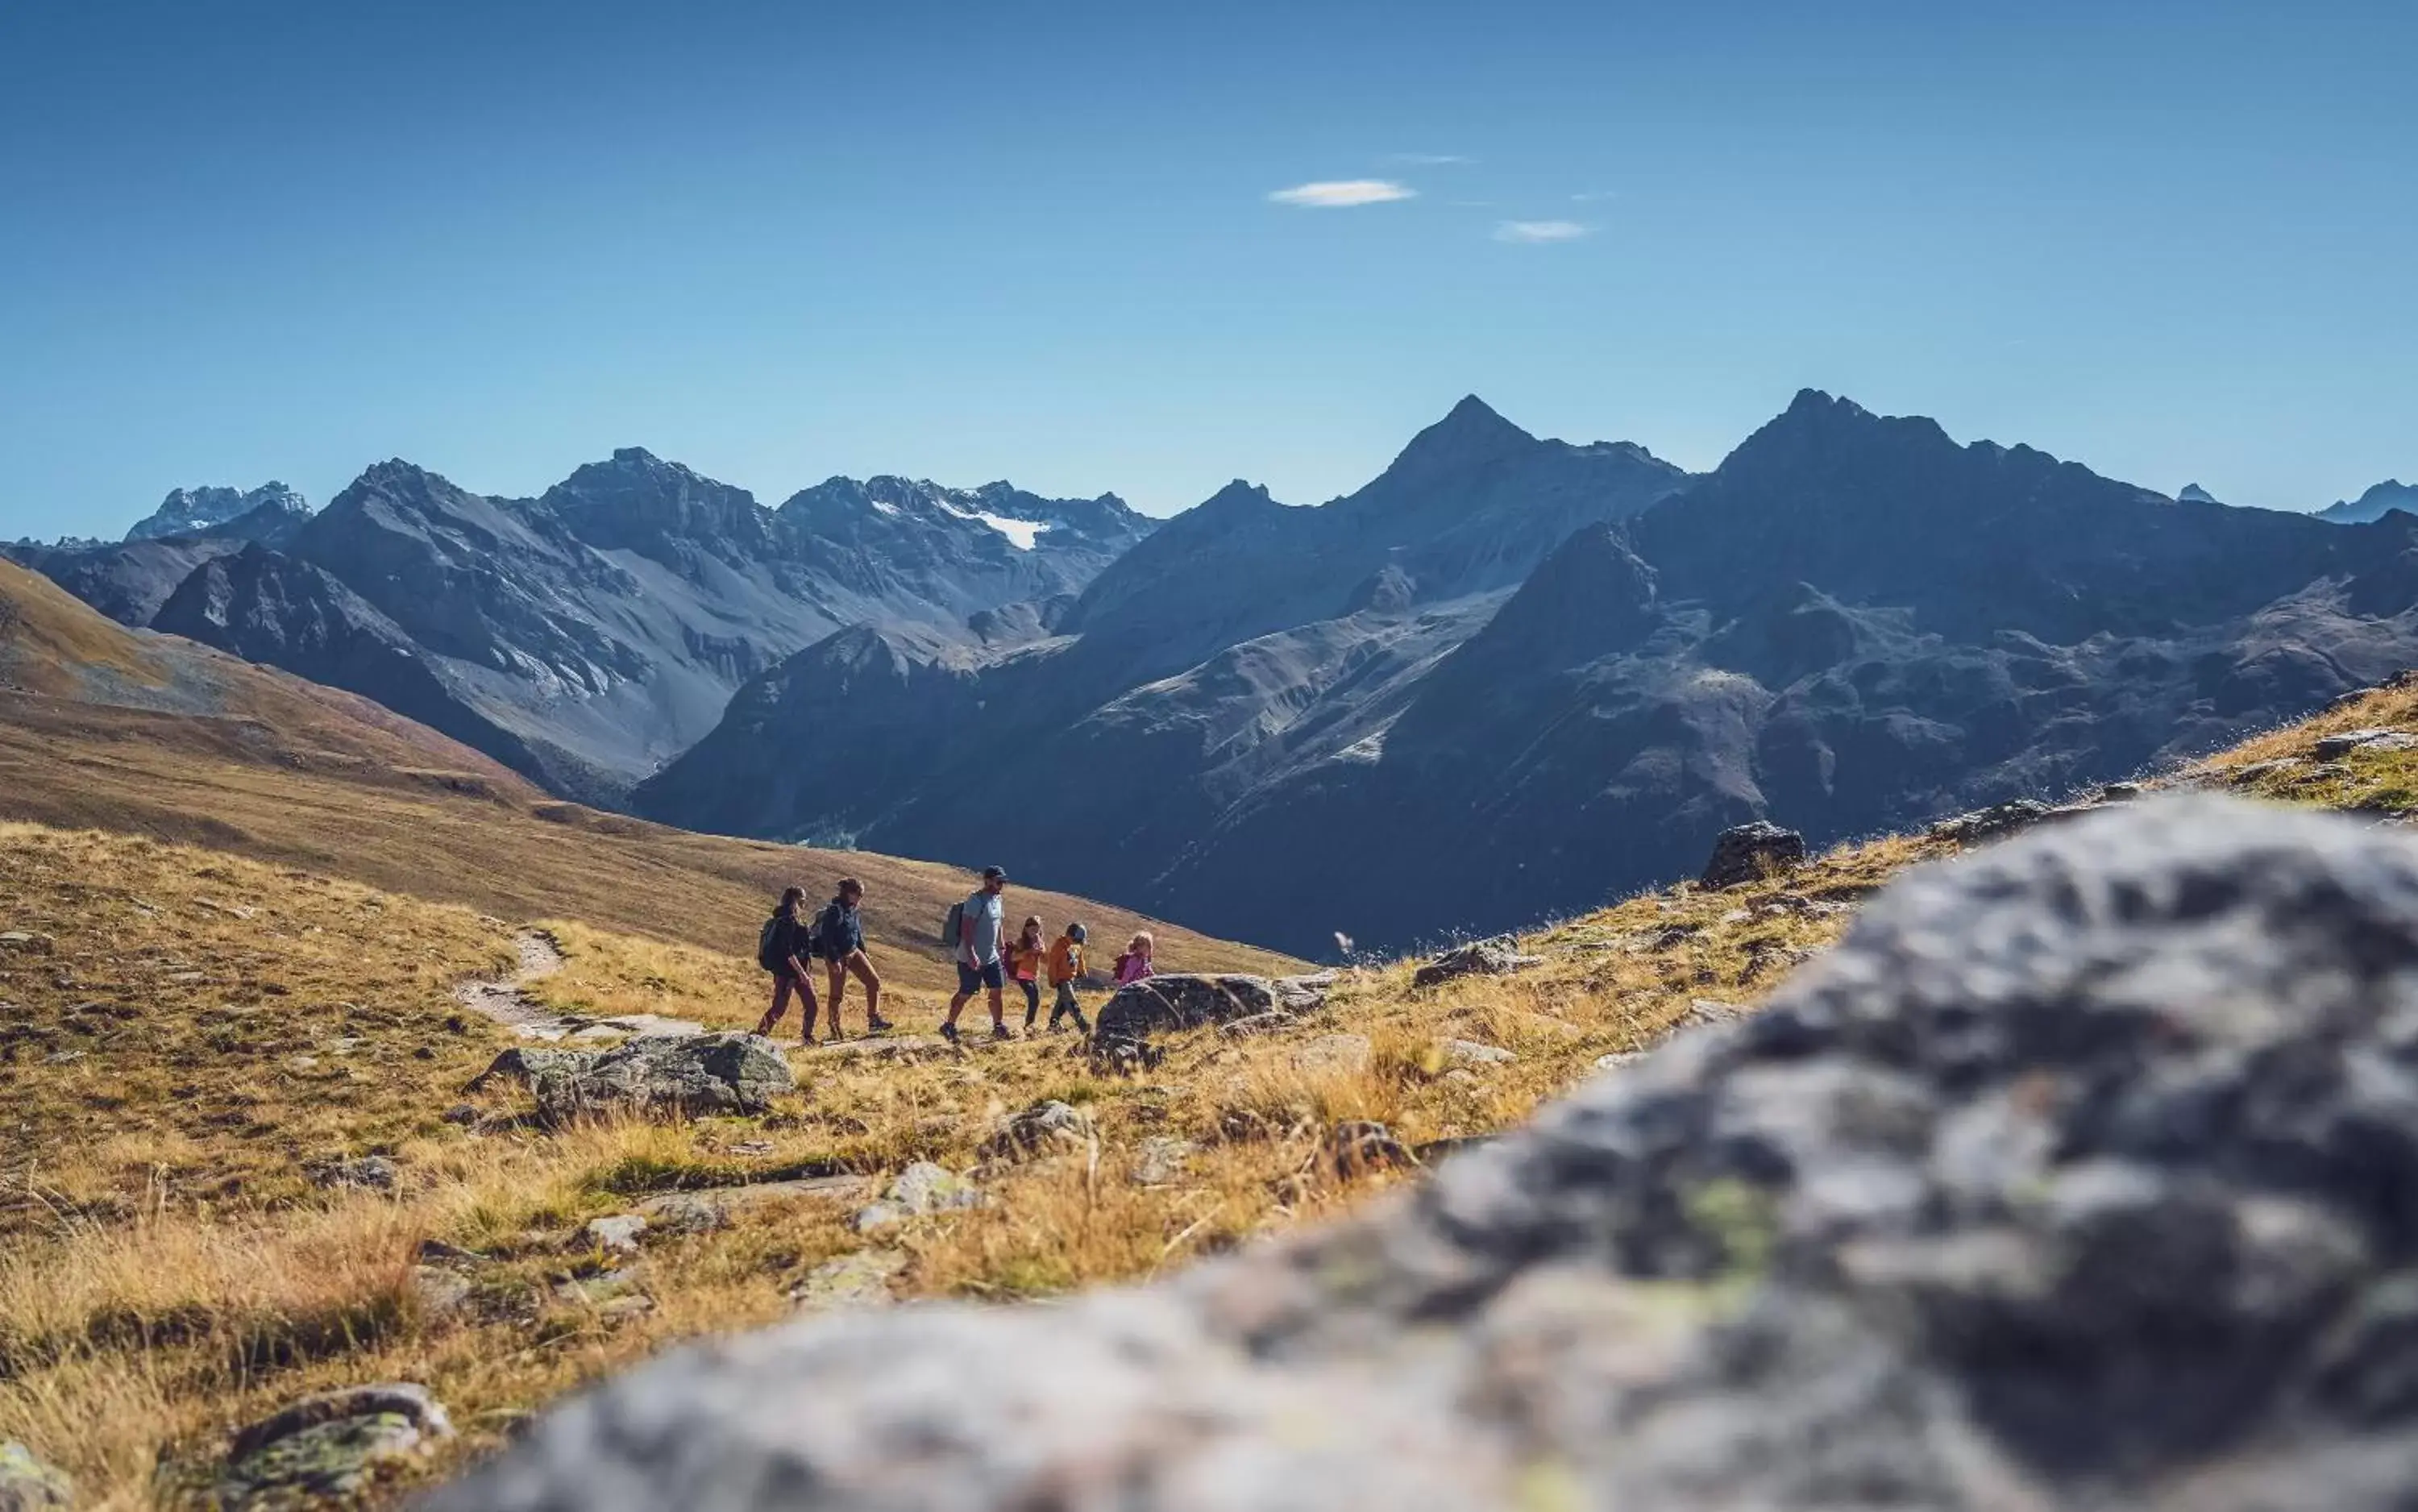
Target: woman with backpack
<point x="782" y="948"/>
<point x="839" y="940"/>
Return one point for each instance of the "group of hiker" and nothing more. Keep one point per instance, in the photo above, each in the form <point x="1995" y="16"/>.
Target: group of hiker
<point x="989" y="958"/>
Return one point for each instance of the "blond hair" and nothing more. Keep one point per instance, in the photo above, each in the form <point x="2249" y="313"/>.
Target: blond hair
<point x="1141" y="944"/>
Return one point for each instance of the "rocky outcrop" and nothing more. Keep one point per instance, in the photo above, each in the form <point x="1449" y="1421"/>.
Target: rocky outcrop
<point x="2080" y="1174"/>
<point x="1179" y="1001"/>
<point x="1497" y="956"/>
<point x="692" y="1074"/>
<point x="1751" y="853"/>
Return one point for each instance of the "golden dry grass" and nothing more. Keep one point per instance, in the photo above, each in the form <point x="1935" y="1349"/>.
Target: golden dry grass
<point x="203" y="1027"/>
<point x="169" y="1269"/>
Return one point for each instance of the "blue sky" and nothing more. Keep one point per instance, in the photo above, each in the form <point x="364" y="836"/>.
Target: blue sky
<point x="969" y="242"/>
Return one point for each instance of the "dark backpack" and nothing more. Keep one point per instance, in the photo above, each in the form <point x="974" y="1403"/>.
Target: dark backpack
<point x="953" y="932"/>
<point x="768" y="954"/>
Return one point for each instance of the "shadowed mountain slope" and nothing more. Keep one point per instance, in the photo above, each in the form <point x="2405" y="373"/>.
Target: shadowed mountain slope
<point x="1854" y="623"/>
<point x="1242" y="642"/>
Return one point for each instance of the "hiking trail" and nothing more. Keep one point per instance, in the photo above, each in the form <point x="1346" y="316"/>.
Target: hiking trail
<point x="506" y="1000"/>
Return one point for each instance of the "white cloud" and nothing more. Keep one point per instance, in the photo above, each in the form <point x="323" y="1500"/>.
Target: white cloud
<point x="1535" y="231"/>
<point x="1432" y="159"/>
<point x="1342" y="193"/>
<point x="1591" y="195"/>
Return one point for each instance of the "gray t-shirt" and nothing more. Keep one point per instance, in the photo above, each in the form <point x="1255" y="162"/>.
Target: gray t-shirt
<point x="988" y="913"/>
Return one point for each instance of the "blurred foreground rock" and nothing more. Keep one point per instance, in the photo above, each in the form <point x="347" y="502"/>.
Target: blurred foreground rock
<point x="2083" y="1173"/>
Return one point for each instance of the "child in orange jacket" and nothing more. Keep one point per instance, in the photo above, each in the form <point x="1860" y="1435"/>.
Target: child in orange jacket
<point x="1065" y="965"/>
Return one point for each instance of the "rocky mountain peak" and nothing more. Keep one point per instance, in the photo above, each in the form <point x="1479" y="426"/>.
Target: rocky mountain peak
<point x="637" y="498"/>
<point x="190" y="510"/>
<point x="1821" y="434"/>
<point x="2194" y="493"/>
<point x="1470" y="435"/>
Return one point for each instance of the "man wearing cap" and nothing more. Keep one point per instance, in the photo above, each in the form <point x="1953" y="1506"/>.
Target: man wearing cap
<point x="982" y="923"/>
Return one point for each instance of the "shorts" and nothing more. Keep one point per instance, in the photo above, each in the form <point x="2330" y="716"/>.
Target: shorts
<point x="975" y="978"/>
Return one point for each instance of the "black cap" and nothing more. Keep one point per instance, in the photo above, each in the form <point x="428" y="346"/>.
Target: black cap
<point x="993" y="874"/>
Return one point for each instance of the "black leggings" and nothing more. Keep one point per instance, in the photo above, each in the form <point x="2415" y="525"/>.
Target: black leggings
<point x="1032" y="999"/>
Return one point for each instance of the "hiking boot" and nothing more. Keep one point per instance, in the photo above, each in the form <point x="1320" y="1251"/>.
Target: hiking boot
<point x="999" y="1030"/>
<point x="879" y="1025"/>
<point x="949" y="1032"/>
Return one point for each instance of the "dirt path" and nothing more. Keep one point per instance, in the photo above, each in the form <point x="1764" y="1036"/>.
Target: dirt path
<point x="505" y="1001"/>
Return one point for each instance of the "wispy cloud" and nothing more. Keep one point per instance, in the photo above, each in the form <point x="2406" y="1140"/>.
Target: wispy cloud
<point x="1537" y="231"/>
<point x="1340" y="194"/>
<point x="1589" y="196"/>
<point x="1432" y="159"/>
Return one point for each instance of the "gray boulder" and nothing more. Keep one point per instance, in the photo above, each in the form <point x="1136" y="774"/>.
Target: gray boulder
<point x="28" y="1485"/>
<point x="1751" y="852"/>
<point x="2081" y="1174"/>
<point x="1499" y="957"/>
<point x="699" y="1075"/>
<point x="1182" y="999"/>
<point x="331" y="1446"/>
<point x="2334" y="747"/>
<point x="524" y="1064"/>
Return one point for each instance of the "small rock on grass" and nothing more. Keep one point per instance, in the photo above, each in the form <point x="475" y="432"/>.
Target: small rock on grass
<point x="1160" y="1160"/>
<point x="330" y="1446"/>
<point x="1333" y="1053"/>
<point x="600" y="1292"/>
<point x="921" y="1188"/>
<point x="375" y="1173"/>
<point x="440" y="1293"/>
<point x="26" y="942"/>
<point x="1359" y="1145"/>
<point x="1044" y="1126"/>
<point x="28" y="1485"/>
<point x="856" y="1280"/>
<point x="618" y="1234"/>
<point x="1473" y="1053"/>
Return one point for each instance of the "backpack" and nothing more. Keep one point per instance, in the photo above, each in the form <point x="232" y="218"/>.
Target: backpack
<point x="768" y="946"/>
<point x="953" y="931"/>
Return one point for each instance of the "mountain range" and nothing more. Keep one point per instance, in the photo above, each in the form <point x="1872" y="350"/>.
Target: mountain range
<point x="1512" y="676"/>
<point x="585" y="636"/>
<point x="1507" y="676"/>
<point x="2392" y="493"/>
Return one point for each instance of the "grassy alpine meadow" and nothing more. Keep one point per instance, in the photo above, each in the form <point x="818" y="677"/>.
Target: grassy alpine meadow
<point x="242" y="1164"/>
